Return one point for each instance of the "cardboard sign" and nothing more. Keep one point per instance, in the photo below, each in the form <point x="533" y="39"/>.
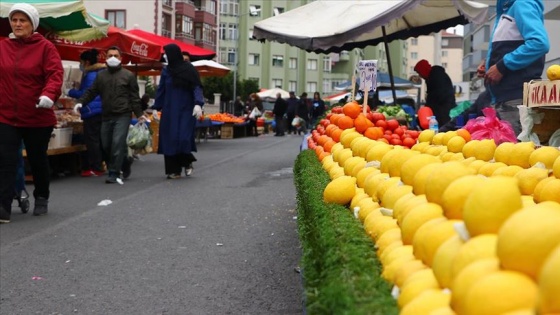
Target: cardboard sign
<point x="367" y="71"/>
<point x="541" y="93"/>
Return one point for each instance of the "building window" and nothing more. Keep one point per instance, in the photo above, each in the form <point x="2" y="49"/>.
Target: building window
<point x="223" y="55"/>
<point x="414" y="42"/>
<point x="231" y="56"/>
<point x="229" y="7"/>
<point x="223" y="31"/>
<point x="277" y="11"/>
<point x="208" y="35"/>
<point x="326" y="86"/>
<point x="166" y="25"/>
<point x="327" y="64"/>
<point x="277" y="61"/>
<point x="292" y="86"/>
<point x="255" y="10"/>
<point x="293" y="63"/>
<point x="116" y="17"/>
<point x="311" y="64"/>
<point x="311" y="87"/>
<point x="444" y="42"/>
<point x="413" y="55"/>
<point x="184" y="25"/>
<point x="254" y="59"/>
<point x="444" y="53"/>
<point x="277" y="83"/>
<point x="232" y="32"/>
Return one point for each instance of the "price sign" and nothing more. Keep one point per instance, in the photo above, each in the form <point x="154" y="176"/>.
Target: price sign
<point x="367" y="71"/>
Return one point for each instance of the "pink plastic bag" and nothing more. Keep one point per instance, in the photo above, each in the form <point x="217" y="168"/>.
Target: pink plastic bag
<point x="491" y="127"/>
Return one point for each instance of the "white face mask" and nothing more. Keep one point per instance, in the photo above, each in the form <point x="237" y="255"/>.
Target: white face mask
<point x="165" y="58"/>
<point x="113" y="62"/>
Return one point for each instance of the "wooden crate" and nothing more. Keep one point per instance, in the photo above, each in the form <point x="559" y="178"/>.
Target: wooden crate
<point x="226" y="131"/>
<point x="549" y="124"/>
<point x="541" y="93"/>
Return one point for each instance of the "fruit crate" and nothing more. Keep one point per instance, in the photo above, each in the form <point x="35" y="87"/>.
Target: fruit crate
<point x="549" y="124"/>
<point x="226" y="131"/>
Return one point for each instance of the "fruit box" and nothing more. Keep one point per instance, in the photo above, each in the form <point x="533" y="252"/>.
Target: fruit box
<point x="60" y="138"/>
<point x="549" y="124"/>
<point x="541" y="93"/>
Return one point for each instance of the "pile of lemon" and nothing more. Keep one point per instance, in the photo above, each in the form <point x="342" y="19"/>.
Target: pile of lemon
<point x="460" y="226"/>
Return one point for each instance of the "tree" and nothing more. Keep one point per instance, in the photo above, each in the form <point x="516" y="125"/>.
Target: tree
<point x="224" y="85"/>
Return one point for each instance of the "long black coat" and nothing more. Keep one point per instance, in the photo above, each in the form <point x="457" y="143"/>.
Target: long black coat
<point x="441" y="95"/>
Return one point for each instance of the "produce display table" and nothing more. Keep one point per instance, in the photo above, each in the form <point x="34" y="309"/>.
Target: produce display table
<point x="71" y="149"/>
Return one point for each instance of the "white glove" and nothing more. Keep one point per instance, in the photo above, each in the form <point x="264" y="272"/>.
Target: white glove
<point x="44" y="102"/>
<point x="143" y="118"/>
<point x="197" y="111"/>
<point x="77" y="108"/>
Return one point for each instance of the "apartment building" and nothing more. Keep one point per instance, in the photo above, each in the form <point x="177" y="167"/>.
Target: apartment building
<point x="191" y="21"/>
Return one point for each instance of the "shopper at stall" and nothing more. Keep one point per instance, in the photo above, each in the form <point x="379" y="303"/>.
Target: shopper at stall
<point x="279" y="110"/>
<point x="516" y="54"/>
<point x="252" y="116"/>
<point x="440" y="94"/>
<point x="291" y="112"/>
<point x="26" y="100"/>
<point x="90" y="114"/>
<point x="303" y="111"/>
<point x="238" y="107"/>
<point x="118" y="104"/>
<point x="317" y="108"/>
<point x="180" y="99"/>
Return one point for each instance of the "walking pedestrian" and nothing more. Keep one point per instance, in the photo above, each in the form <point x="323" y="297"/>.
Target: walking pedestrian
<point x="180" y="99"/>
<point x="516" y="55"/>
<point x="254" y="102"/>
<point x="291" y="112"/>
<point x="279" y="110"/>
<point x="31" y="77"/>
<point x="120" y="97"/>
<point x="90" y="114"/>
<point x="317" y="109"/>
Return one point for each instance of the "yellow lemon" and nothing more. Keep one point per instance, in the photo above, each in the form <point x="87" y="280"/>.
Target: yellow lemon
<point x="336" y="147"/>
<point x="336" y="171"/>
<point x="441" y="177"/>
<point x="328" y="163"/>
<point x="455" y="195"/>
<point x="510" y="170"/>
<point x="551" y="191"/>
<point x="527" y="201"/>
<point x="476" y="165"/>
<point x="389" y="237"/>
<point x="395" y="164"/>
<point x="446" y="156"/>
<point x="457" y="157"/>
<point x="349" y="164"/>
<point x="456" y="144"/>
<point x="416" y="217"/>
<point x="340" y="190"/>
<point x="470" y="147"/>
<point x="489" y="168"/>
<point x="342" y="155"/>
<point x="363" y="174"/>
<point x="500" y="292"/>
<point x="426" y="135"/>
<point x="420" y="237"/>
<point x="490" y="204"/>
<point x="446" y="310"/>
<point x="549" y="285"/>
<point x="404" y="205"/>
<point x="448" y="135"/>
<point x="406" y="270"/>
<point x="503" y="152"/>
<point x="364" y="148"/>
<point x="383" y="251"/>
<point x="390" y="270"/>
<point x="546" y="155"/>
<point x="529" y="178"/>
<point x="389" y="256"/>
<point x="377" y="152"/>
<point x="346" y="139"/>
<point x="393" y="194"/>
<point x="417" y="283"/>
<point x="380" y="226"/>
<point x="528" y="236"/>
<point x="464" y="280"/>
<point x="358" y="167"/>
<point x="485" y="150"/>
<point x="468" y="161"/>
<point x="397" y="150"/>
<point x="359" y="195"/>
<point x="437" y="139"/>
<point x="476" y="248"/>
<point x="443" y="260"/>
<point x="420" y="146"/>
<point x="420" y="180"/>
<point x="386" y="184"/>
<point x="372" y="183"/>
<point x="436" y="150"/>
<point x="367" y="206"/>
<point x="427" y="302"/>
<point x="371" y="221"/>
<point x="359" y="144"/>
<point x="434" y="238"/>
<point x="553" y="72"/>
<point x="520" y="154"/>
<point x="556" y="168"/>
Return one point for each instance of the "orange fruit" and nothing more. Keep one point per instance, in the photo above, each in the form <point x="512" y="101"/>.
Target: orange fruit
<point x="335" y="135"/>
<point x="362" y="123"/>
<point x="345" y="122"/>
<point x="465" y="134"/>
<point x="373" y="133"/>
<point x="352" y="109"/>
<point x="327" y="146"/>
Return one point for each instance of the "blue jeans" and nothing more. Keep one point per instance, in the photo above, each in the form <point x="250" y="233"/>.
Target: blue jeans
<point x="114" y="131"/>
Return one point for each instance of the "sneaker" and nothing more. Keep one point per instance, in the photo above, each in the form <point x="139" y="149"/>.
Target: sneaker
<point x="189" y="170"/>
<point x="112" y="179"/>
<point x="41" y="206"/>
<point x="88" y="173"/>
<point x="4" y="216"/>
<point x="173" y="176"/>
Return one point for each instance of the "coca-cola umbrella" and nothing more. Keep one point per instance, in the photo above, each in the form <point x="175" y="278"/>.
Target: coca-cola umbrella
<point x="196" y="53"/>
<point x="134" y="48"/>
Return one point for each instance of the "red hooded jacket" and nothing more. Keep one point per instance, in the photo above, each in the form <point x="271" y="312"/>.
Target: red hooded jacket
<point x="29" y="68"/>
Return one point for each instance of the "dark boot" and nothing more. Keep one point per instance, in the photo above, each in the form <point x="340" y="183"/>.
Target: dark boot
<point x="41" y="206"/>
<point x="4" y="215"/>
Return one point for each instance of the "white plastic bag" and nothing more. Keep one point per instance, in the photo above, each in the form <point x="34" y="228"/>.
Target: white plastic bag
<point x="297" y="121"/>
<point x="138" y="136"/>
<point x="255" y="113"/>
<point x="528" y="119"/>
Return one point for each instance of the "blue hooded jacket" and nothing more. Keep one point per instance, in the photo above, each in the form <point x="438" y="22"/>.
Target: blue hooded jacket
<point x="518" y="46"/>
<point x="94" y="107"/>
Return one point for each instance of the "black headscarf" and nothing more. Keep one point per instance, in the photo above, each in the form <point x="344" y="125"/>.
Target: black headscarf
<point x="183" y="73"/>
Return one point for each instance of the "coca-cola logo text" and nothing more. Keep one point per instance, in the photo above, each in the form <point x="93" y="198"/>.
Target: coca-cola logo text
<point x="140" y="49"/>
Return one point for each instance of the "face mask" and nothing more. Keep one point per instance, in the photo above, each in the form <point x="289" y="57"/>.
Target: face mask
<point x="165" y="58"/>
<point x="113" y="62"/>
<point x="82" y="67"/>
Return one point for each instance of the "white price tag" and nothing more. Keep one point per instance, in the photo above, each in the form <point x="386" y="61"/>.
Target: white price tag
<point x="367" y="71"/>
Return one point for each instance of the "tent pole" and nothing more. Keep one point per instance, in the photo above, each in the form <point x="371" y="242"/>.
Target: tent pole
<point x="389" y="65"/>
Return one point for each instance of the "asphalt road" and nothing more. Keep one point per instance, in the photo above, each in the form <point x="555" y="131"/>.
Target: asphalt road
<point x="223" y="241"/>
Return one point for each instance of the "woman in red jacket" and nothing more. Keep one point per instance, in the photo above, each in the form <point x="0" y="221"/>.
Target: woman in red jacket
<point x="30" y="83"/>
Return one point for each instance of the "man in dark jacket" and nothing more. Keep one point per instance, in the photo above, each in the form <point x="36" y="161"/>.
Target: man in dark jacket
<point x="279" y="110"/>
<point x="303" y="110"/>
<point x="440" y="93"/>
<point x="291" y="111"/>
<point x="120" y="96"/>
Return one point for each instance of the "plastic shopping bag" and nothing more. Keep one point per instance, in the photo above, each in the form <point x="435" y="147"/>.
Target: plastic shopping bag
<point x="297" y="121"/>
<point x="138" y="136"/>
<point x="491" y="127"/>
<point x="255" y="113"/>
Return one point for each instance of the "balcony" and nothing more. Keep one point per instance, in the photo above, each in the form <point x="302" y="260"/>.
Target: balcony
<point x="185" y="7"/>
<point x="201" y="16"/>
<point x="206" y="44"/>
<point x="185" y="38"/>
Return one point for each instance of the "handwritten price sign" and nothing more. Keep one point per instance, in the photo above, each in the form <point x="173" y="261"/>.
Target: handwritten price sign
<point x="367" y="70"/>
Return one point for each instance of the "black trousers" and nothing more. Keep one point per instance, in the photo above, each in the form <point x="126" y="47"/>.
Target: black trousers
<point x="92" y="158"/>
<point x="36" y="141"/>
<point x="174" y="163"/>
<point x="289" y="120"/>
<point x="279" y="125"/>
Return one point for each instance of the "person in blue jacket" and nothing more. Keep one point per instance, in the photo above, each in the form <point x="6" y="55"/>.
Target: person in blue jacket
<point x="180" y="99"/>
<point x="518" y="46"/>
<point x="91" y="115"/>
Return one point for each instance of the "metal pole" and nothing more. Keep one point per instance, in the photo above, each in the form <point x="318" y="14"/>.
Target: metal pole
<point x="235" y="59"/>
<point x="389" y="65"/>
